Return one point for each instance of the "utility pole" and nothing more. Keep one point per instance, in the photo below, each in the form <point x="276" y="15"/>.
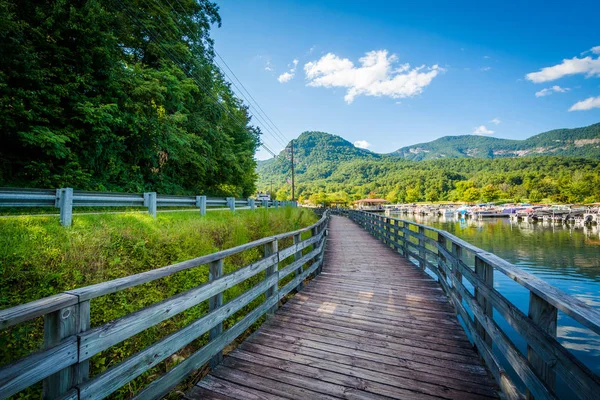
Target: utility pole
<point x="293" y="197"/>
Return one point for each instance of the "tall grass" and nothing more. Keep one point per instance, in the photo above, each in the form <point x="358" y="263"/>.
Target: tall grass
<point x="39" y="258"/>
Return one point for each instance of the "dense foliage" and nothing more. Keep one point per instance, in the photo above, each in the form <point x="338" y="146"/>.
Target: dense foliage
<point x="91" y="98"/>
<point x="40" y="258"/>
<point x="328" y="178"/>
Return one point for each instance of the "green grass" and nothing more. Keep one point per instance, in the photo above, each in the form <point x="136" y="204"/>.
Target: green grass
<point x="39" y="258"/>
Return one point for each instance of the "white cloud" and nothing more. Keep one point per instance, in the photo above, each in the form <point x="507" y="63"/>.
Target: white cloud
<point x="486" y="68"/>
<point x="587" y="104"/>
<point x="486" y="57"/>
<point x="588" y="65"/>
<point x="269" y="67"/>
<point x="285" y="77"/>
<point x="362" y="144"/>
<point x="550" y="90"/>
<point x="482" y="130"/>
<point x="288" y="76"/>
<point x="375" y="77"/>
<point x="495" y="121"/>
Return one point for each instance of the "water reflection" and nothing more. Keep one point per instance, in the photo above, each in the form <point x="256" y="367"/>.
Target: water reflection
<point x="567" y="257"/>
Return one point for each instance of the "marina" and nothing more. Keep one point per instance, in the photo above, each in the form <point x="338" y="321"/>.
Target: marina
<point x="563" y="214"/>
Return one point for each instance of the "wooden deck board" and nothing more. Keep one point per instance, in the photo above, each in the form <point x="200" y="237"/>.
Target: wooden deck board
<point x="371" y="326"/>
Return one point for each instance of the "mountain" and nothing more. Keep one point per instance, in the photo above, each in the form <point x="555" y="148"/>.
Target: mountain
<point x="580" y="142"/>
<point x="561" y="166"/>
<point x="316" y="155"/>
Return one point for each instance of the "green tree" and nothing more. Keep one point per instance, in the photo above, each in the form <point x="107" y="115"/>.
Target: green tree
<point x="413" y="195"/>
<point x="490" y="193"/>
<point x="432" y="196"/>
<point x="89" y="101"/>
<point x="471" y="195"/>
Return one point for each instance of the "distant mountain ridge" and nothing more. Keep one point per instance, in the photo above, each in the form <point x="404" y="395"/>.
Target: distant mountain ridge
<point x="561" y="166"/>
<point x="578" y="142"/>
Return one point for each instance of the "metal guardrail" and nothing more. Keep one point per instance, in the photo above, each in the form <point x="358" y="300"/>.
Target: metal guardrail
<point x="446" y="256"/>
<point x="70" y="342"/>
<point x="66" y="198"/>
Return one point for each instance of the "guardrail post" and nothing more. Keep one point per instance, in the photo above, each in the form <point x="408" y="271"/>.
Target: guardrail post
<point x="422" y="255"/>
<point x="65" y="204"/>
<point x="59" y="325"/>
<point x="201" y="203"/>
<point x="231" y="203"/>
<point x="544" y="315"/>
<point x="150" y="202"/>
<point x="215" y="272"/>
<point x="486" y="273"/>
<point x="265" y="204"/>
<point x="276" y="203"/>
<point x="251" y="204"/>
<point x="270" y="249"/>
<point x="297" y="256"/>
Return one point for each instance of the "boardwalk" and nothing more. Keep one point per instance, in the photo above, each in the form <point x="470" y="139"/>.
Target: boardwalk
<point x="371" y="326"/>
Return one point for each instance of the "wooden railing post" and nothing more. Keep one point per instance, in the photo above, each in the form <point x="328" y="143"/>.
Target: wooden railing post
<point x="265" y="204"/>
<point x="251" y="204"/>
<point x="59" y="325"/>
<point x="270" y="249"/>
<point x="297" y="256"/>
<point x="314" y="232"/>
<point x="486" y="273"/>
<point x="457" y="253"/>
<point x="397" y="235"/>
<point x="422" y="255"/>
<point x="405" y="238"/>
<point x="544" y="315"/>
<point x="441" y="258"/>
<point x="215" y="271"/>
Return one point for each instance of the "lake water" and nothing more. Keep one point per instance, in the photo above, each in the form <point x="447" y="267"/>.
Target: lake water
<point x="567" y="257"/>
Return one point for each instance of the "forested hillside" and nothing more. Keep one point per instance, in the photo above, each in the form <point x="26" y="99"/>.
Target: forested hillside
<point x="580" y="142"/>
<point x="93" y="95"/>
<point x="317" y="154"/>
<point x="324" y="176"/>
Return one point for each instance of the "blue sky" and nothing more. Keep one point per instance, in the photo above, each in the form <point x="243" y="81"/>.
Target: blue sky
<point x="395" y="73"/>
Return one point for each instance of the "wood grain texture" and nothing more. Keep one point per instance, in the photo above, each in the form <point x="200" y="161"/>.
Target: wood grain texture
<point x="370" y="326"/>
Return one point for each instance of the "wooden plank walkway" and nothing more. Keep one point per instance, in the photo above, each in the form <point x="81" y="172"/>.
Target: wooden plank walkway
<point x="371" y="326"/>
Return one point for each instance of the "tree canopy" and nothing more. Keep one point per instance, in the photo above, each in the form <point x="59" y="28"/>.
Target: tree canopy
<point x="119" y="95"/>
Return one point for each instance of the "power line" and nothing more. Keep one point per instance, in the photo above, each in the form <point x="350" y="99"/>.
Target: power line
<point x="272" y="124"/>
<point x="153" y="35"/>
<point x="271" y="129"/>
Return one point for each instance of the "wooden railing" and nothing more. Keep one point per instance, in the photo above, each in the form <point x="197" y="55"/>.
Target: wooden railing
<point x="446" y="256"/>
<point x="70" y="342"/>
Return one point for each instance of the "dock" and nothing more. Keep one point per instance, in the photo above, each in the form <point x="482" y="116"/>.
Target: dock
<point x="370" y="326"/>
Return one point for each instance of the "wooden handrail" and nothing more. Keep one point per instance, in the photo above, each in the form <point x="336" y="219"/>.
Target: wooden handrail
<point x="70" y="343"/>
<point x="443" y="254"/>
